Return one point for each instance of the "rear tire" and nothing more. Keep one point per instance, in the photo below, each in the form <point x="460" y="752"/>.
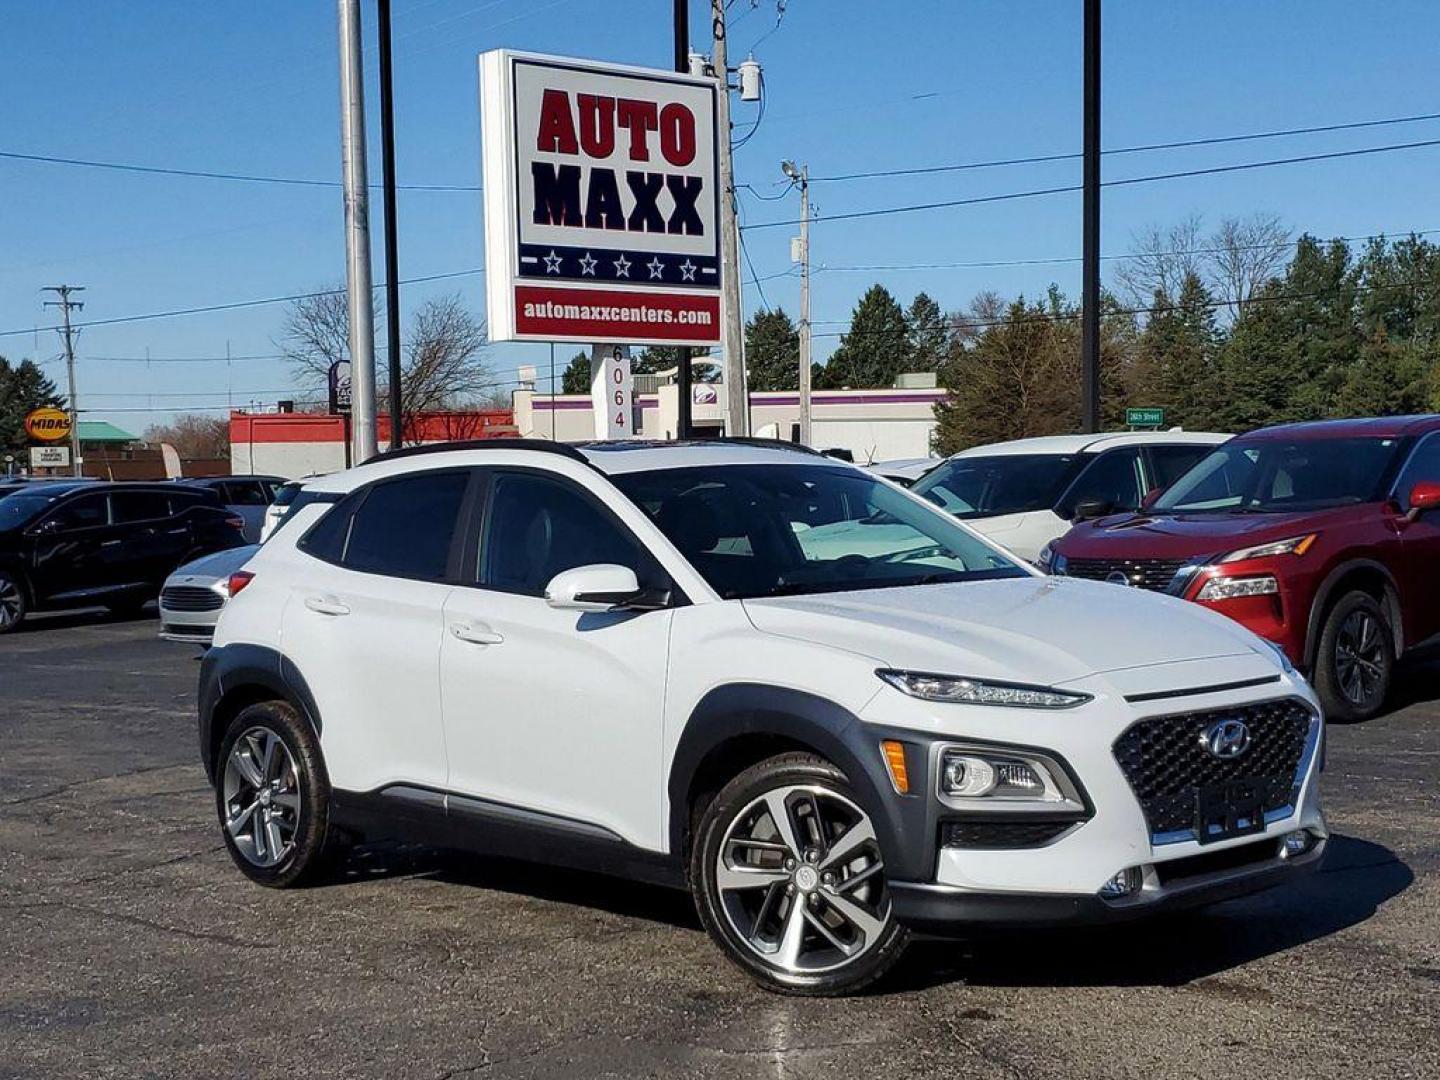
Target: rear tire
<point x="817" y="920"/>
<point x="272" y="795"/>
<point x="14" y="601"/>
<point x="1356" y="659"/>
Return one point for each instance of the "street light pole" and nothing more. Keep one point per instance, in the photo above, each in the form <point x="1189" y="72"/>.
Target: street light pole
<point x="1090" y="288"/>
<point x="357" y="234"/>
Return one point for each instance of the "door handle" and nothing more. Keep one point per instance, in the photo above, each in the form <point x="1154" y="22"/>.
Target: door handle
<point x="326" y="605"/>
<point x="476" y="634"/>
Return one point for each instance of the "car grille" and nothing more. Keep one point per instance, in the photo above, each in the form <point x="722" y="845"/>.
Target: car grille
<point x="190" y="598"/>
<point x="1153" y="574"/>
<point x="1166" y="762"/>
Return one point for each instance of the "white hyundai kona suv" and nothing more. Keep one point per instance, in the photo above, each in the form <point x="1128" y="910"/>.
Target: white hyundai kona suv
<point x="823" y="705"/>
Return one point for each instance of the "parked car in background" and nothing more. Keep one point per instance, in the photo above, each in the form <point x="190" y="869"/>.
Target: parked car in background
<point x="67" y="545"/>
<point x="818" y="702"/>
<point x="248" y="496"/>
<point x="1025" y="493"/>
<point x="904" y="471"/>
<point x="289" y="498"/>
<point x="1323" y="538"/>
<point x="192" y="597"/>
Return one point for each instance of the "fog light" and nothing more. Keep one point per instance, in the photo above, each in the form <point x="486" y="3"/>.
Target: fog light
<point x="1296" y="843"/>
<point x="1122" y="884"/>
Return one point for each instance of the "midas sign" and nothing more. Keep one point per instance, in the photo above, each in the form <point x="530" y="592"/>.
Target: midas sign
<point x="48" y="425"/>
<point x="601" y="202"/>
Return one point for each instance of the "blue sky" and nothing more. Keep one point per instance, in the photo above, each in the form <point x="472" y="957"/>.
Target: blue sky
<point x="852" y="86"/>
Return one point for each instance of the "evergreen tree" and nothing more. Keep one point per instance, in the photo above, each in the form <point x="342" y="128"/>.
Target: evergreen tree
<point x="576" y="379"/>
<point x="877" y="346"/>
<point x="772" y="351"/>
<point x="23" y="387"/>
<point x="1176" y="357"/>
<point x="929" y="335"/>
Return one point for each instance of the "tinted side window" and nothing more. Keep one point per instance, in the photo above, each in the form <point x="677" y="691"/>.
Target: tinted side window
<point x="326" y="538"/>
<point x="128" y="506"/>
<point x="1112" y="478"/>
<point x="245" y="493"/>
<point x="1424" y="464"/>
<point x="406" y="527"/>
<point x="1169" y="463"/>
<point x="539" y="527"/>
<point x="180" y="501"/>
<point x="84" y="513"/>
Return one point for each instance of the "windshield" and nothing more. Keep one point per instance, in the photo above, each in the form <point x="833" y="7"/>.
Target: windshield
<point x="1002" y="484"/>
<point x="1278" y="477"/>
<point x="775" y="530"/>
<point x="17" y="509"/>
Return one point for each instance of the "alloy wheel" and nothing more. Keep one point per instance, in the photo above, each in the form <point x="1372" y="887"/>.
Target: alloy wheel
<point x="1360" y="658"/>
<point x="801" y="880"/>
<point x="262" y="797"/>
<point x="12" y="604"/>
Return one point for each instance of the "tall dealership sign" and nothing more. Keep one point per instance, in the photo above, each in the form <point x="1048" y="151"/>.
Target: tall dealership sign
<point x="602" y="206"/>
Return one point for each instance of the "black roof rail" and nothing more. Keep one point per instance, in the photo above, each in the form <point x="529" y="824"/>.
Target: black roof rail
<point x="543" y="445"/>
<point x="766" y="444"/>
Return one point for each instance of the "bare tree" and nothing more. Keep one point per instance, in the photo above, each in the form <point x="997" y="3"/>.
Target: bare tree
<point x="1159" y="261"/>
<point x="445" y="365"/>
<point x="193" y="435"/>
<point x="1243" y="254"/>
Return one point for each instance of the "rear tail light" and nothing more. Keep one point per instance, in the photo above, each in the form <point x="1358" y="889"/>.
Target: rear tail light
<point x="238" y="581"/>
<point x="235" y="521"/>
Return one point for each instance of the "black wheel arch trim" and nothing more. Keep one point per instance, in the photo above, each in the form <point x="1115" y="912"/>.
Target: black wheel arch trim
<point x="905" y="825"/>
<point x="1327" y="592"/>
<point x="228" y="669"/>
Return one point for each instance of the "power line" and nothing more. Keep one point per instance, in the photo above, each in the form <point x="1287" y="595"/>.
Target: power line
<point x="207" y="174"/>
<point x="1217" y="140"/>
<point x="1128" y="181"/>
<point x="235" y="304"/>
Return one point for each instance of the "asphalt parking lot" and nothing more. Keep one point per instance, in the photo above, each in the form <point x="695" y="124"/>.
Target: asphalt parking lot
<point x="130" y="947"/>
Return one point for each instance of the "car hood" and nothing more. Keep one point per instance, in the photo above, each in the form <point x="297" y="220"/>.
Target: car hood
<point x="220" y="564"/>
<point x="1030" y="630"/>
<point x="1161" y="536"/>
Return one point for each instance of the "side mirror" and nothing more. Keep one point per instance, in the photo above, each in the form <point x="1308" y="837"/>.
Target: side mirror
<point x="1088" y="509"/>
<point x="48" y="527"/>
<point x="601" y="587"/>
<point x="1151" y="498"/>
<point x="1424" y="497"/>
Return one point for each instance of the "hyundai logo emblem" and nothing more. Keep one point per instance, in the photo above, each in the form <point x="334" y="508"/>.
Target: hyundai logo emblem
<point x="1117" y="577"/>
<point x="1226" y="738"/>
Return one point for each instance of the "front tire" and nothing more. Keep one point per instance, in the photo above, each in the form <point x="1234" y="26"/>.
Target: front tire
<point x="14" y="605"/>
<point x="789" y="881"/>
<point x="272" y="796"/>
<point x="1355" y="660"/>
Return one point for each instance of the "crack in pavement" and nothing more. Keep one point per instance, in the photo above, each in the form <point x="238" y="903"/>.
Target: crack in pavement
<point x="63" y="788"/>
<point x="135" y="920"/>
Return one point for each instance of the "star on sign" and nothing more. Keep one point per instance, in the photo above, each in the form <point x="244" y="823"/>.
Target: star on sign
<point x="552" y="262"/>
<point x="687" y="270"/>
<point x="587" y="264"/>
<point x="622" y="267"/>
<point x="656" y="268"/>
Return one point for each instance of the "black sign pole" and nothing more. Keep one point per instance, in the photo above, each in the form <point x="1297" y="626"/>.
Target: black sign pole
<point x="683" y="382"/>
<point x="1090" y="287"/>
<point x="392" y="255"/>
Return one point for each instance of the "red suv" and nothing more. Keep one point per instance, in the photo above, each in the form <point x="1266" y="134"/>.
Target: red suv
<point x="1323" y="538"/>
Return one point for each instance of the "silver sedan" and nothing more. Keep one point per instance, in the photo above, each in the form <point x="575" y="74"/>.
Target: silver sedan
<point x="193" y="595"/>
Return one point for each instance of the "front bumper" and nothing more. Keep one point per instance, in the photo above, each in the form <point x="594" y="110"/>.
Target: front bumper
<point x="949" y="888"/>
<point x="189" y="627"/>
<point x="946" y="910"/>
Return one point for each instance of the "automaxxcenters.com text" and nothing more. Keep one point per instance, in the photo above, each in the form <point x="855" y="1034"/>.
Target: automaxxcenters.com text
<point x="634" y="313"/>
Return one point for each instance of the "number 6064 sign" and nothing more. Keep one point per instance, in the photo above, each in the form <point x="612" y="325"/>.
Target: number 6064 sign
<point x="617" y="389"/>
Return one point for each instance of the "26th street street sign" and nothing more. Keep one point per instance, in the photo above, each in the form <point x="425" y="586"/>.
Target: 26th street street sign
<point x="601" y="202"/>
<point x="1144" y="417"/>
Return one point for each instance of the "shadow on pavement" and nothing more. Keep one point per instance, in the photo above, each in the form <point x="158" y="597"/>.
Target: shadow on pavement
<point x="1417" y="680"/>
<point x="1355" y="879"/>
<point x="39" y="622"/>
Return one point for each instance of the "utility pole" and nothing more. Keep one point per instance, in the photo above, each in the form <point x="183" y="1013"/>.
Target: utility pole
<point x="683" y="377"/>
<point x="801" y="178"/>
<point x="357" y="235"/>
<point x="392" y="255"/>
<point x="1090" y="290"/>
<point x="737" y="415"/>
<point x="65" y="304"/>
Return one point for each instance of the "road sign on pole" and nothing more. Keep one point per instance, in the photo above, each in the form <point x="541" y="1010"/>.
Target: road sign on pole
<point x="1146" y="417"/>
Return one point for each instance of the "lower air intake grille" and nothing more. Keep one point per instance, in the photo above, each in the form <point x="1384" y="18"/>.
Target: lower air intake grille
<point x="1011" y="833"/>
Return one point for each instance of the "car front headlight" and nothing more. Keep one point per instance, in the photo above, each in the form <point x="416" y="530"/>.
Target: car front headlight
<point x="1296" y="545"/>
<point x="1232" y="588"/>
<point x="991" y="778"/>
<point x="959" y="689"/>
<point x="1051" y="561"/>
